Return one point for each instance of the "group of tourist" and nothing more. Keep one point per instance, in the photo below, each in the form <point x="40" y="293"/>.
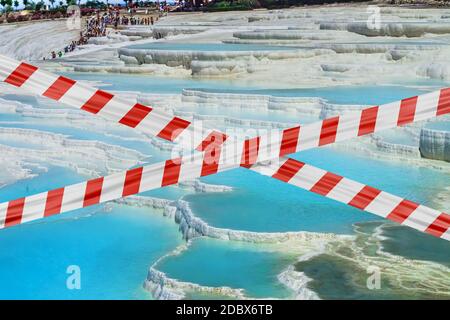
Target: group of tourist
<point x="96" y="27"/>
<point x="92" y="30"/>
<point x="69" y="48"/>
<point x="133" y="21"/>
<point x="113" y="18"/>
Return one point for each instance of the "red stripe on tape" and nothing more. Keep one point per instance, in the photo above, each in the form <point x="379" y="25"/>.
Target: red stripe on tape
<point x="211" y="158"/>
<point x="407" y="111"/>
<point x="288" y="170"/>
<point x="173" y="129"/>
<point x="364" y="197"/>
<point x="250" y="152"/>
<point x="402" y="211"/>
<point x="328" y="131"/>
<point x="289" y="141"/>
<point x="213" y="139"/>
<point x="59" y="88"/>
<point x="368" y="121"/>
<point x="97" y="101"/>
<point x="14" y="212"/>
<point x="53" y="202"/>
<point x="135" y="115"/>
<point x="440" y="225"/>
<point x="93" y="192"/>
<point x="21" y="74"/>
<point x="132" y="181"/>
<point x="326" y="183"/>
<point x="171" y="172"/>
<point x="444" y="102"/>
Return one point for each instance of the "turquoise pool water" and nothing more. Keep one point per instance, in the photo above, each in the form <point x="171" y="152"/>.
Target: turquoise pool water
<point x="218" y="263"/>
<point x="55" y="177"/>
<point x="116" y="135"/>
<point x="115" y="249"/>
<point x="207" y="46"/>
<point x="86" y="134"/>
<point x="144" y="83"/>
<point x="375" y="94"/>
<point x="398" y="137"/>
<point x="263" y="204"/>
<point x="439" y="125"/>
<point x="358" y="95"/>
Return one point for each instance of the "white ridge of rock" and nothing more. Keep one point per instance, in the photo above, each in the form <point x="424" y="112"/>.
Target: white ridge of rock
<point x="389" y="29"/>
<point x="435" y="144"/>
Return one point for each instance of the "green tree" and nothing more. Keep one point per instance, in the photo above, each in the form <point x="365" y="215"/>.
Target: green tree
<point x="39" y="5"/>
<point x="16" y="3"/>
<point x="25" y="2"/>
<point x="52" y="2"/>
<point x="8" y="5"/>
<point x="3" y="3"/>
<point x="61" y="3"/>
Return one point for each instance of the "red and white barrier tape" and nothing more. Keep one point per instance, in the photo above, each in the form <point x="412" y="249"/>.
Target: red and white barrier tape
<point x="99" y="190"/>
<point x="215" y="157"/>
<point x="364" y="197"/>
<point x="291" y="171"/>
<point x="234" y="151"/>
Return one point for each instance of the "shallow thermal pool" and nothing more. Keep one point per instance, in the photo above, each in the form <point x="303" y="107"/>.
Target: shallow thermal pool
<point x="263" y="204"/>
<point x="216" y="263"/>
<point x="115" y="248"/>
<point x="112" y="248"/>
<point x="439" y="125"/>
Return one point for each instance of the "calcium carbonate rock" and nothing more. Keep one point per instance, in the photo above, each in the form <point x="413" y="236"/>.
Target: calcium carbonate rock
<point x="219" y="68"/>
<point x="129" y="59"/>
<point x="389" y="29"/>
<point x="396" y="55"/>
<point x="304" y="105"/>
<point x="144" y="33"/>
<point x="372" y="48"/>
<point x="185" y="57"/>
<point x="435" y="144"/>
<point x="335" y="67"/>
<point x="297" y="282"/>
<point x="165" y="31"/>
<point x="281" y="35"/>
<point x="192" y="227"/>
<point x="164" y="288"/>
<point x="33" y="41"/>
<point x="434" y="70"/>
